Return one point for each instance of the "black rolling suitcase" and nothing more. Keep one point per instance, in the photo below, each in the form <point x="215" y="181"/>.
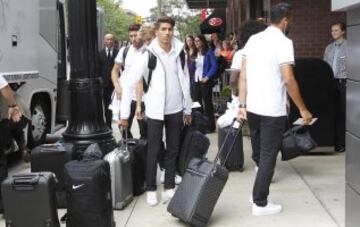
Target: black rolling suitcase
<point x="236" y="157"/>
<point x="52" y="158"/>
<point x="194" y="144"/>
<point x="196" y="196"/>
<point x="200" y="122"/>
<point x="88" y="187"/>
<point x="138" y="150"/>
<point x="29" y="200"/>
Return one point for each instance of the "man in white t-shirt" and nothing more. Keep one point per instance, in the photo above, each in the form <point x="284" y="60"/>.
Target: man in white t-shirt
<point x="247" y="29"/>
<point x="7" y="93"/>
<point x="14" y="114"/>
<point x="126" y="58"/>
<point x="266" y="76"/>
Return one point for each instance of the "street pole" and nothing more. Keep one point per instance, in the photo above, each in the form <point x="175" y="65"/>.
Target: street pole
<point x="159" y="3"/>
<point x="86" y="125"/>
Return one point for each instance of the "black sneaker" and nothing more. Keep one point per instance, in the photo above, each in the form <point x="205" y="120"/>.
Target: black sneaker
<point x="339" y="149"/>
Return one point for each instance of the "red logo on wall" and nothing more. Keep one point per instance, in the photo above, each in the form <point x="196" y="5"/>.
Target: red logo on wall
<point x="215" y="21"/>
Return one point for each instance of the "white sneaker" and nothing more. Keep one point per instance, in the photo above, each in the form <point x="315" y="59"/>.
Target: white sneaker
<point x="178" y="179"/>
<point x="151" y="198"/>
<point x="162" y="176"/>
<point x="256" y="169"/>
<point x="167" y="195"/>
<point x="269" y="209"/>
<point x="251" y="201"/>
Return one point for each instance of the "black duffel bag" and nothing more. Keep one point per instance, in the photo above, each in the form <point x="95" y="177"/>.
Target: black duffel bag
<point x="296" y="141"/>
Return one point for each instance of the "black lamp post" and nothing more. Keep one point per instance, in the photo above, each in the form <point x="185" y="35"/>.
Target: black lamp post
<point x="86" y="123"/>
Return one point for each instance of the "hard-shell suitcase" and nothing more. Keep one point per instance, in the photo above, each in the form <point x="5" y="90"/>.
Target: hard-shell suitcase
<point x="121" y="177"/>
<point x="196" y="196"/>
<point x="29" y="200"/>
<point x="236" y="157"/>
<point x="88" y="187"/>
<point x="52" y="158"/>
<point x="194" y="144"/>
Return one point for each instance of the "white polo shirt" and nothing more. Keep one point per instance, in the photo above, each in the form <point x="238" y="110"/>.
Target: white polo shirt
<point x="132" y="55"/>
<point x="265" y="52"/>
<point x="3" y="82"/>
<point x="173" y="93"/>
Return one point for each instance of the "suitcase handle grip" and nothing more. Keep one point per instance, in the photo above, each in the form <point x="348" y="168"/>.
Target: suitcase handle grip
<point x="25" y="182"/>
<point x="241" y="122"/>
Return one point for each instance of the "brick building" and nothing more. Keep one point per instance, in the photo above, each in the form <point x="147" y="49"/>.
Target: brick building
<point x="310" y="31"/>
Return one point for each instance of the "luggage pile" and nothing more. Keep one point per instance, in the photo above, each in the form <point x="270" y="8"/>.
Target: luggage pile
<point x="92" y="186"/>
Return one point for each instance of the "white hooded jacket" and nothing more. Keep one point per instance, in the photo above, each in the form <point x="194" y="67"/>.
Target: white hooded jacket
<point x="155" y="97"/>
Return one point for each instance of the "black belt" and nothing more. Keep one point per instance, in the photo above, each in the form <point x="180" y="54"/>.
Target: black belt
<point x="343" y="80"/>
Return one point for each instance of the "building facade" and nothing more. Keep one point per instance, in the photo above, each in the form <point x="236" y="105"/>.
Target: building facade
<point x="310" y="31"/>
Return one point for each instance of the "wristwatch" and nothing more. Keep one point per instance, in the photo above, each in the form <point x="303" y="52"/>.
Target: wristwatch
<point x="242" y="105"/>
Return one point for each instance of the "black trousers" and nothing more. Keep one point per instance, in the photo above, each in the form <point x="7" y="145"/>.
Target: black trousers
<point x="202" y="93"/>
<point x="173" y="125"/>
<point x="340" y="113"/>
<point x="142" y="123"/>
<point x="266" y="135"/>
<point x="107" y="101"/>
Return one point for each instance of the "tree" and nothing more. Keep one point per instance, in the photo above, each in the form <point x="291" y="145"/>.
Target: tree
<point x="187" y="21"/>
<point x="116" y="19"/>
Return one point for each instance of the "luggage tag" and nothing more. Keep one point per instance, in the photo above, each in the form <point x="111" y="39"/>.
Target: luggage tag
<point x="236" y="124"/>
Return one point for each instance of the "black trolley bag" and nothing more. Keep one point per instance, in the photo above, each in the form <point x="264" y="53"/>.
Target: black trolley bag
<point x="88" y="187"/>
<point x="52" y="158"/>
<point x="201" y="186"/>
<point x="29" y="200"/>
<point x="194" y="145"/>
<point x="236" y="157"/>
<point x="138" y="150"/>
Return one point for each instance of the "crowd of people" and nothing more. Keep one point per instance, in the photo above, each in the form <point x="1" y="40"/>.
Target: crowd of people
<point x="156" y="78"/>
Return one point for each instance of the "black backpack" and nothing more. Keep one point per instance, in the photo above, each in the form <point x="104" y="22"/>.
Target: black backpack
<point x="152" y="64"/>
<point x="124" y="57"/>
<point x="88" y="186"/>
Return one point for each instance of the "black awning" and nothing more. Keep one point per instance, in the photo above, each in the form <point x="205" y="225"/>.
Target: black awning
<point x="199" y="4"/>
<point x="215" y="23"/>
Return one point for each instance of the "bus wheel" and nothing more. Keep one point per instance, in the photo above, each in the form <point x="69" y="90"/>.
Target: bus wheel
<point x="40" y="123"/>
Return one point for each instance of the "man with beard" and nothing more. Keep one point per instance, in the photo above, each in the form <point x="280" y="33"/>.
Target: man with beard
<point x="266" y="76"/>
<point x="126" y="58"/>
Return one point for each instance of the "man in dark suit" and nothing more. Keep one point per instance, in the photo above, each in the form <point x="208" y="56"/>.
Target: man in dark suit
<point x="106" y="63"/>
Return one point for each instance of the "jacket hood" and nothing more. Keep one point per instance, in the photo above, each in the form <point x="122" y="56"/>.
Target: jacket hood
<point x="175" y="43"/>
<point x="93" y="152"/>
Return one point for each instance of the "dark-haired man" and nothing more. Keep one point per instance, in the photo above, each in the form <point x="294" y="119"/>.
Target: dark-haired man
<point x="266" y="75"/>
<point x="128" y="56"/>
<point x="167" y="103"/>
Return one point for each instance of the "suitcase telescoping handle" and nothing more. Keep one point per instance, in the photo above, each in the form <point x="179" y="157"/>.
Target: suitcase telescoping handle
<point x="237" y="124"/>
<point x="124" y="144"/>
<point x="25" y="182"/>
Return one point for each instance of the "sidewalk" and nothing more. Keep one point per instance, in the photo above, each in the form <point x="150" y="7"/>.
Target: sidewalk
<point x="310" y="188"/>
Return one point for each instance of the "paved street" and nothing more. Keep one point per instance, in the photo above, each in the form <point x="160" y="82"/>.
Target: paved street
<point x="311" y="190"/>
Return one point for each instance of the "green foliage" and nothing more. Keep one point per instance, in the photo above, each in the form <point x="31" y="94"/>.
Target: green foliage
<point x="116" y="20"/>
<point x="187" y="21"/>
<point x="226" y="91"/>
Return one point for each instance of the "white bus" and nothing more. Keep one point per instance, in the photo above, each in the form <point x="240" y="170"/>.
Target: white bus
<point x="34" y="60"/>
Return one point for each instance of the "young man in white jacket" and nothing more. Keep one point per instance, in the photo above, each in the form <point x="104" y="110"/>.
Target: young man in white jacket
<point x="167" y="103"/>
